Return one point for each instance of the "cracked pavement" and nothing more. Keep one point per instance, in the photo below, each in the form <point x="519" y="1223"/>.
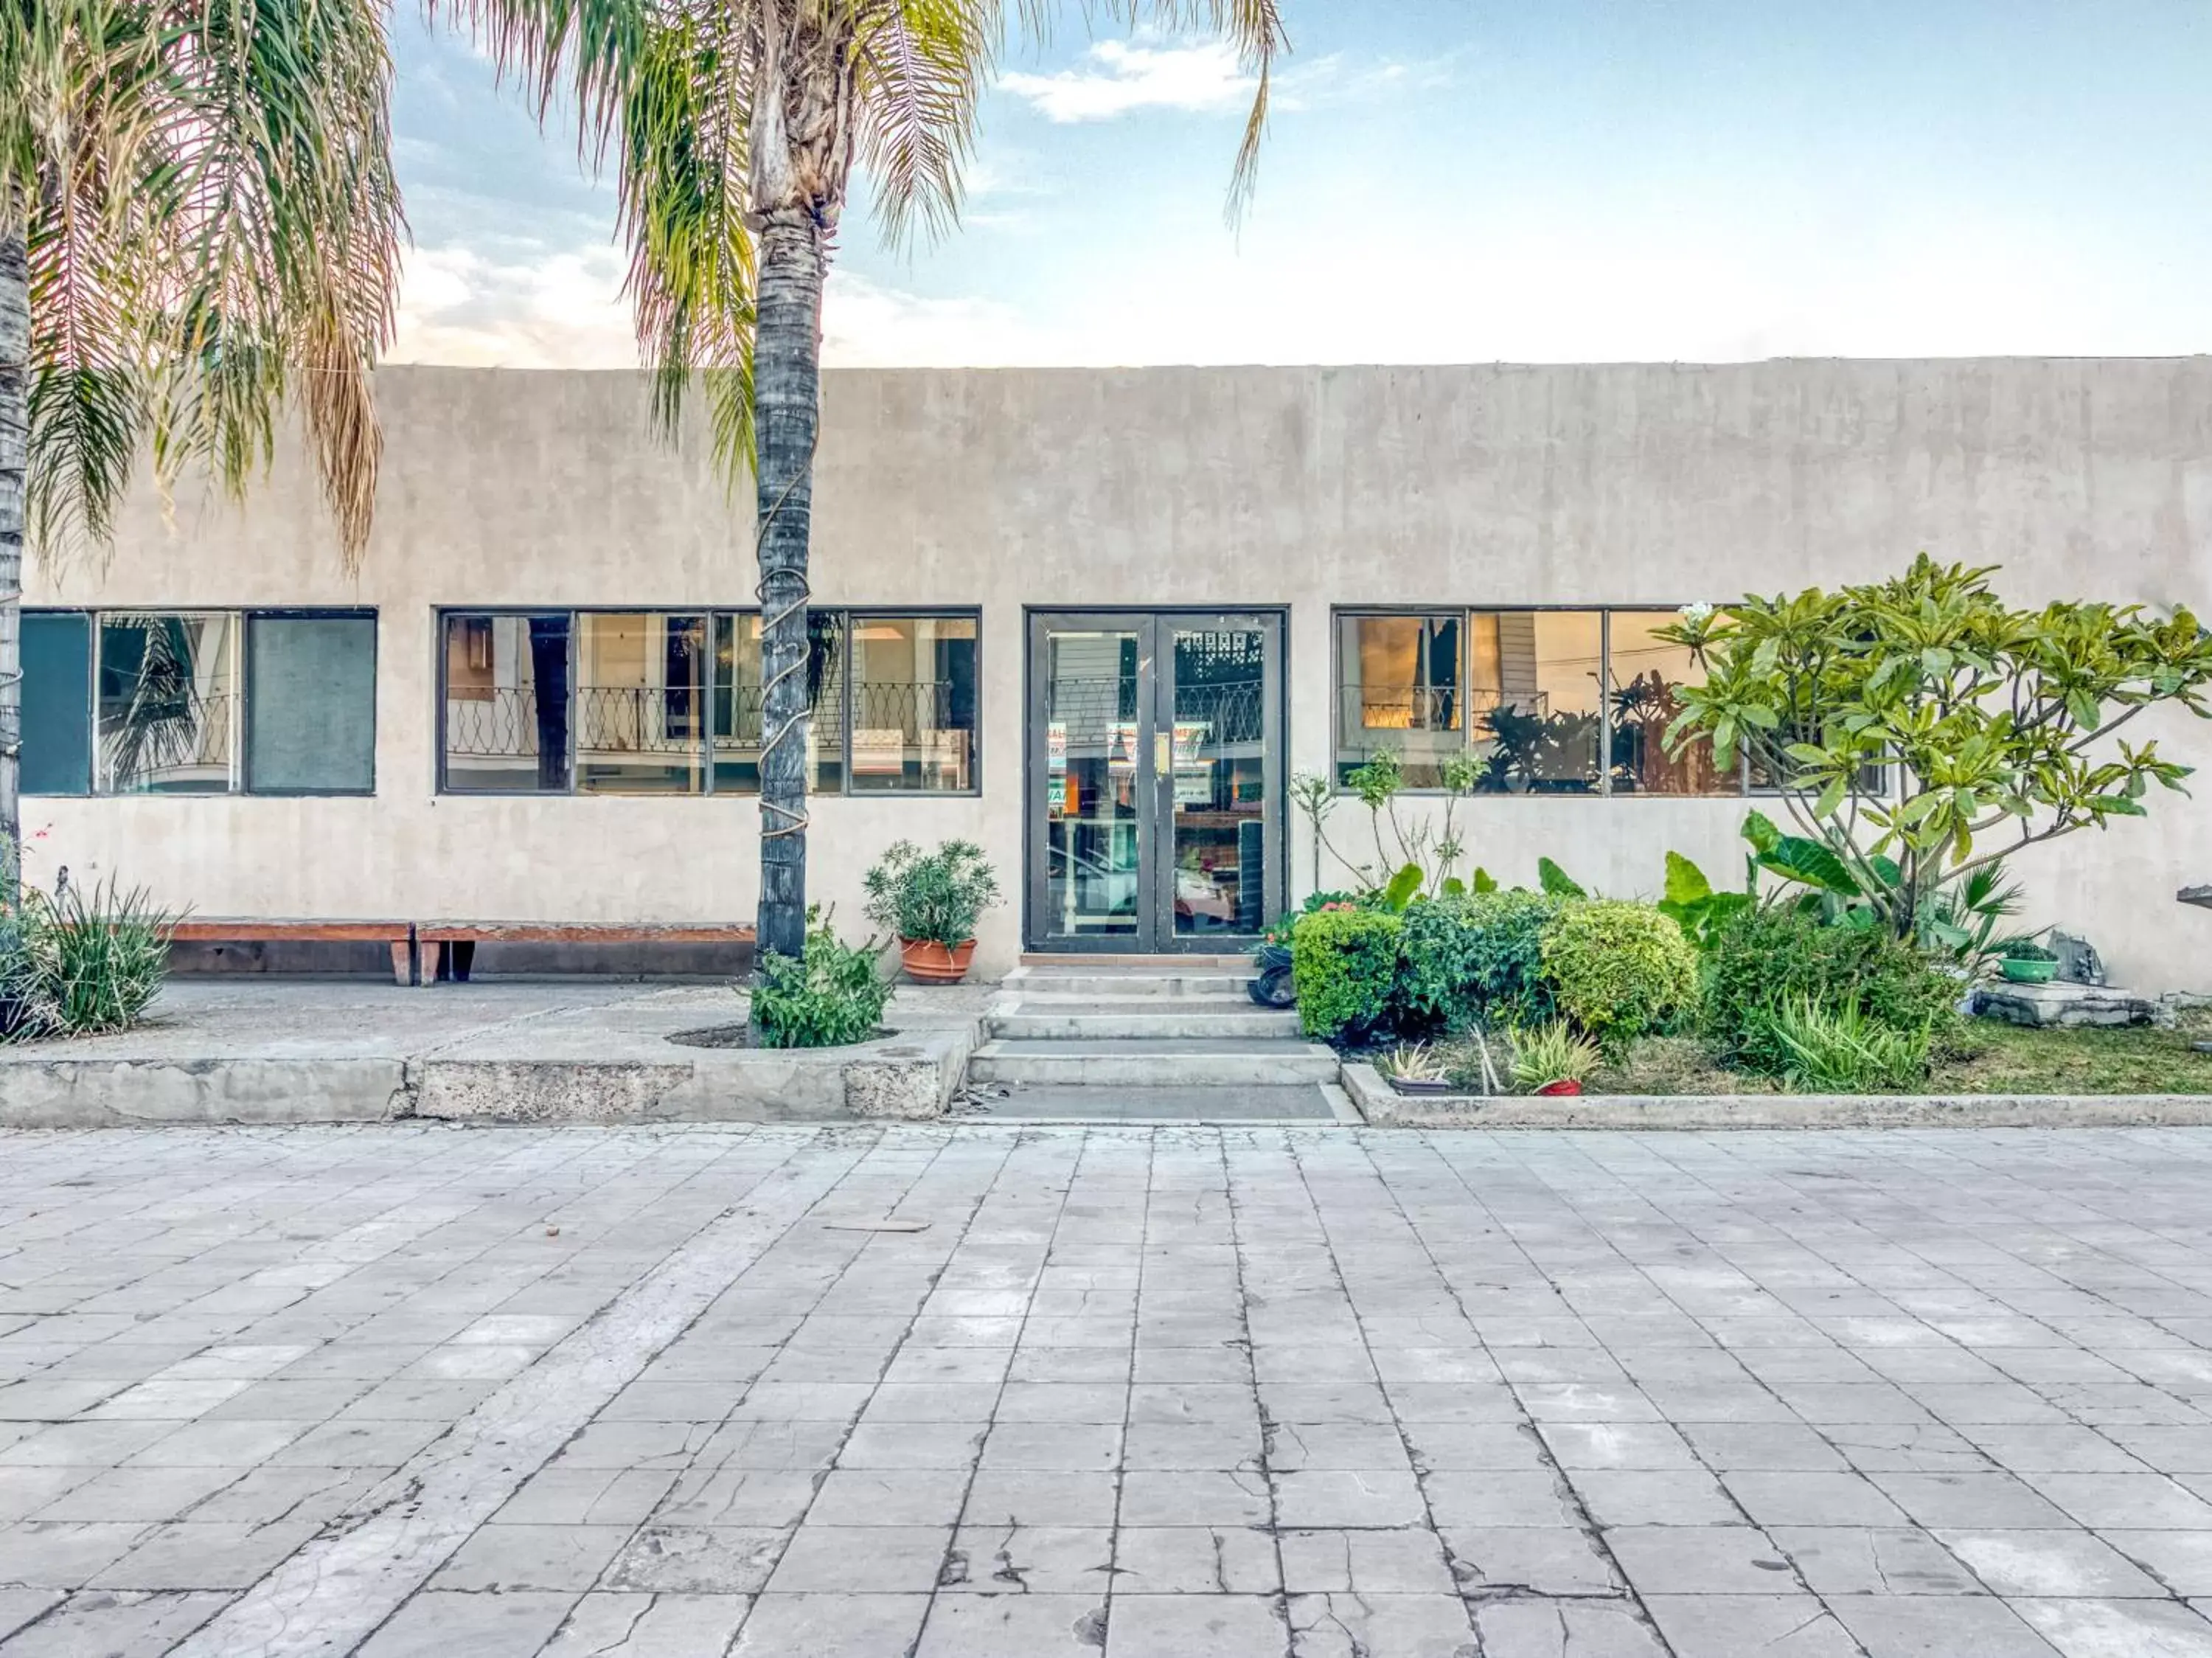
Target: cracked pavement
<point x="1137" y="1393"/>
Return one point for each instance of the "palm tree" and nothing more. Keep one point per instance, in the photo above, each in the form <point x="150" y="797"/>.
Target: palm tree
<point x="740" y="124"/>
<point x="196" y="214"/>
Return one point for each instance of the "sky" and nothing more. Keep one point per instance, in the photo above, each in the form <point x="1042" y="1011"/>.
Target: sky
<point x="1449" y="180"/>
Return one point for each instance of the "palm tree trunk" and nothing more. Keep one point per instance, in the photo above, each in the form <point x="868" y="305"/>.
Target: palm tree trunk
<point x="15" y="451"/>
<point x="787" y="388"/>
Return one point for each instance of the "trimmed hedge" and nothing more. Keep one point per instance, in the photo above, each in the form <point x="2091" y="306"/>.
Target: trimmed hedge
<point x="1344" y="963"/>
<point x="1481" y="955"/>
<point x="1619" y="969"/>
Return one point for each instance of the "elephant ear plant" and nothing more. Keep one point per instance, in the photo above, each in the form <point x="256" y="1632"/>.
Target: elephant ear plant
<point x="932" y="902"/>
<point x="1920" y="731"/>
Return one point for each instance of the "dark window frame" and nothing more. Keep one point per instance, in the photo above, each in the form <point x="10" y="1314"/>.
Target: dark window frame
<point x="850" y="616"/>
<point x="241" y="784"/>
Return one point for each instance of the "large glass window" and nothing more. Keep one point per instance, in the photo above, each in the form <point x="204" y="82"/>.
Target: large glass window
<point x="640" y="704"/>
<point x="168" y="703"/>
<point x="56" y="701"/>
<point x="670" y="703"/>
<point x="1543" y="702"/>
<point x="1401" y="684"/>
<point x="199" y="702"/>
<point x="914" y="702"/>
<point x="507" y="703"/>
<point x="310" y="704"/>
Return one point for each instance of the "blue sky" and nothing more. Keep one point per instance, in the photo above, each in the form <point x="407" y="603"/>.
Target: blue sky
<point x="1455" y="181"/>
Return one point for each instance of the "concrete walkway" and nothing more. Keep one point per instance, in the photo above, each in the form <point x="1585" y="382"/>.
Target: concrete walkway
<point x="955" y="1392"/>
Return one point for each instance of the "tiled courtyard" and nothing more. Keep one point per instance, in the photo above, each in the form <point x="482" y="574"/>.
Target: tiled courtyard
<point x="1311" y="1393"/>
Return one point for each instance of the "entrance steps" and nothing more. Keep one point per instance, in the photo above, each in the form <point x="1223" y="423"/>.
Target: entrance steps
<point x="1162" y="1025"/>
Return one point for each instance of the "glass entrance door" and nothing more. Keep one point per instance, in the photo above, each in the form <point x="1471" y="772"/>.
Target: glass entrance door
<point x="1155" y="781"/>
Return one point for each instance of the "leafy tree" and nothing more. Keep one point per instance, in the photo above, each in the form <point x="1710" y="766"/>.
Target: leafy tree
<point x="1920" y="730"/>
<point x="198" y="215"/>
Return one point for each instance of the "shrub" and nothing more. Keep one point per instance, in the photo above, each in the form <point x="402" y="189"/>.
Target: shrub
<point x="1480" y="955"/>
<point x="1344" y="963"/>
<point x="1619" y="969"/>
<point x="80" y="962"/>
<point x="1843" y="1050"/>
<point x="1765" y="958"/>
<point x="832" y="996"/>
<point x="931" y="898"/>
<point x="1544" y="1054"/>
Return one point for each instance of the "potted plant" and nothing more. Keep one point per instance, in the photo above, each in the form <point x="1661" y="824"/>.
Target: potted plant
<point x="2024" y="961"/>
<point x="930" y="901"/>
<point x="1551" y="1059"/>
<point x="1414" y="1068"/>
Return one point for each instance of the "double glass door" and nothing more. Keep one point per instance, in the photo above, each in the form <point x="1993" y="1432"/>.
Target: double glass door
<point x="1155" y="780"/>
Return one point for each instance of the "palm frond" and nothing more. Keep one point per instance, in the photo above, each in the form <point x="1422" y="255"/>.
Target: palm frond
<point x="582" y="50"/>
<point x="683" y="188"/>
<point x="921" y="69"/>
<point x="1255" y="28"/>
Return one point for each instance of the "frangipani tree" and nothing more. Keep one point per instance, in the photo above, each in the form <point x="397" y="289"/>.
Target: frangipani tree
<point x="739" y="125"/>
<point x="198" y="218"/>
<point x="1920" y="730"/>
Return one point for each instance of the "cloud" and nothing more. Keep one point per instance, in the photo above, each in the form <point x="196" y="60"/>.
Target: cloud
<point x="1119" y="77"/>
<point x="868" y="324"/>
<point x="514" y="306"/>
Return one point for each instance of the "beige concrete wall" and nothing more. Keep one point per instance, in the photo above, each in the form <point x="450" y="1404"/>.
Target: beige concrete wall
<point x="1297" y="487"/>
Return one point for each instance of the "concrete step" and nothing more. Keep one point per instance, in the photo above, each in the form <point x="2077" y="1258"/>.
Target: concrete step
<point x="1159" y="1018"/>
<point x="1264" y="1103"/>
<point x="1122" y="984"/>
<point x="1131" y="1062"/>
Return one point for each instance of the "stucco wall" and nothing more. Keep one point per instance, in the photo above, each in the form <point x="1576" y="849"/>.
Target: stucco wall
<point x="1297" y="487"/>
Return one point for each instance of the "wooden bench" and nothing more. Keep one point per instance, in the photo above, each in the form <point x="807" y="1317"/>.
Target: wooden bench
<point x="434" y="938"/>
<point x="216" y="930"/>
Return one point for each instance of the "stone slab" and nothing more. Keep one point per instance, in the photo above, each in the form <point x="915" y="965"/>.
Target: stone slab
<point x="2061" y="1004"/>
<point x="276" y="1053"/>
<point x="1384" y="1107"/>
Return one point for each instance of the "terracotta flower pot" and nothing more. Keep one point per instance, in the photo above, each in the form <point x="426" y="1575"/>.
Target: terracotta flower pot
<point x="1565" y="1085"/>
<point x="928" y="962"/>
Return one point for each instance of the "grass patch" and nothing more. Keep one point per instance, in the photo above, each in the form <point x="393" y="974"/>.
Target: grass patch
<point x="1998" y="1058"/>
<point x="1672" y="1064"/>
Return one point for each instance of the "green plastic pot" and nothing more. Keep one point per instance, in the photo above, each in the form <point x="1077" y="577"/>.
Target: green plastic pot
<point x="2027" y="971"/>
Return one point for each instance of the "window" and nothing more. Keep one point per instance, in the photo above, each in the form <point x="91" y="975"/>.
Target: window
<point x="199" y="702"/>
<point x="56" y="756"/>
<point x="652" y="702"/>
<point x="1543" y="702"/>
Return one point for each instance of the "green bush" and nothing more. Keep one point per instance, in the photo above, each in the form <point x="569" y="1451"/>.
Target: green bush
<point x="1843" y="1050"/>
<point x="831" y="997"/>
<point x="1619" y="969"/>
<point x="81" y="963"/>
<point x="1765" y="959"/>
<point x="1478" y="956"/>
<point x="1344" y="963"/>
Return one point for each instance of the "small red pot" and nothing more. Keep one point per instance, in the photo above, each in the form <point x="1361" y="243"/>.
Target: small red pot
<point x="1565" y="1085"/>
<point x="930" y="963"/>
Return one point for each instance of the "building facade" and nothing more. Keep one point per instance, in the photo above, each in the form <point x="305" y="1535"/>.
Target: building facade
<point x="1096" y="620"/>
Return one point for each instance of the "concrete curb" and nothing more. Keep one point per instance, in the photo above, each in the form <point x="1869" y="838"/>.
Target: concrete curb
<point x="1383" y="1107"/>
<point x="908" y="1077"/>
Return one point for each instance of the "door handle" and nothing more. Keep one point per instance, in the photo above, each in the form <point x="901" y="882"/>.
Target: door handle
<point x="1162" y="754"/>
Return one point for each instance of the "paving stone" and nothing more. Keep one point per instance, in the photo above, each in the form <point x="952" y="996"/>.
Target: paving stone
<point x="862" y="1559"/>
<point x="1563" y="1628"/>
<point x="1542" y="1560"/>
<point x="1013" y="1626"/>
<point x="1692" y="1560"/>
<point x="2146" y="1500"/>
<point x="1461" y="1498"/>
<point x="604" y="1626"/>
<point x="62" y="1555"/>
<point x="1408" y="1561"/>
<point x="1629" y="1496"/>
<point x="505" y="1558"/>
<point x="437" y="1625"/>
<point x="101" y="1623"/>
<point x="1750" y="1626"/>
<point x="696" y="1560"/>
<point x="2120" y="1629"/>
<point x="1873" y="1560"/>
<point x="2061" y="1564"/>
<point x="1195" y="1560"/>
<point x="1336" y="1497"/>
<point x="1030" y="1560"/>
<point x="1937" y="1626"/>
<point x="1989" y="1501"/>
<point x="829" y="1625"/>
